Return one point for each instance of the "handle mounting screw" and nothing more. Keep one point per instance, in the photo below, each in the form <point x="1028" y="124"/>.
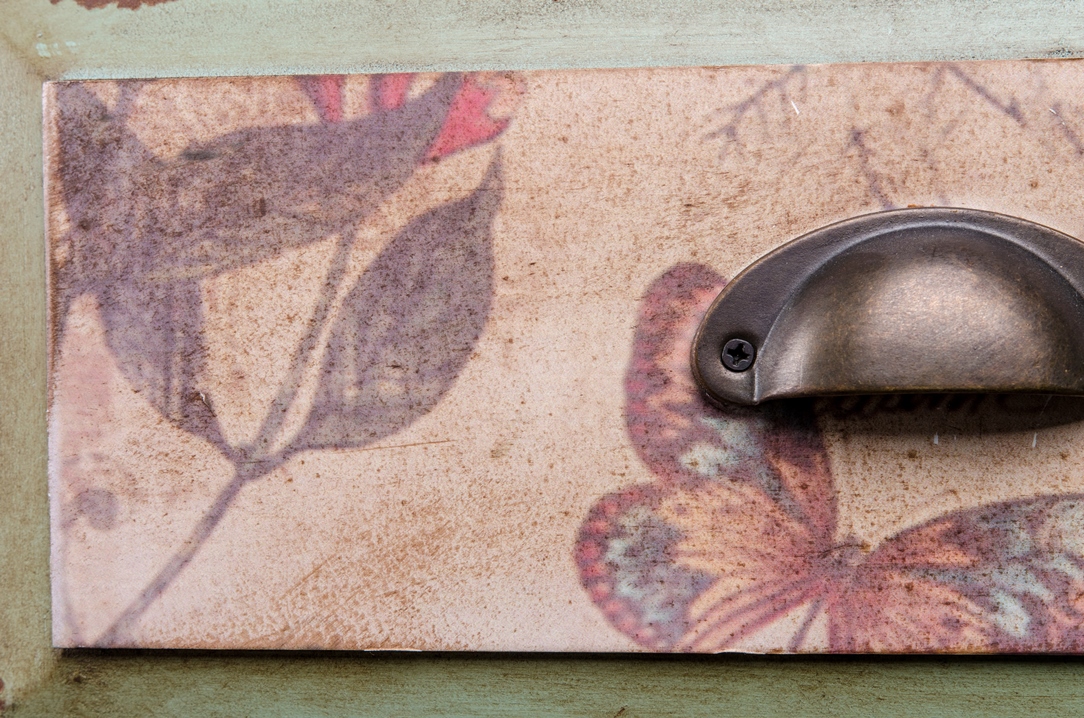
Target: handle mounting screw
<point x="738" y="355"/>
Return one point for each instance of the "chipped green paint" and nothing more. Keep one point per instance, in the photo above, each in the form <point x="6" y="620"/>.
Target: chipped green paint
<point x="42" y="41"/>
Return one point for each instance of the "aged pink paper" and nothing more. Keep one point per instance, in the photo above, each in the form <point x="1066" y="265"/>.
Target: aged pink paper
<point x="401" y="362"/>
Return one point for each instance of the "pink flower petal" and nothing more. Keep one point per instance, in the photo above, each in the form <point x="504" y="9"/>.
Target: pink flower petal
<point x="468" y="124"/>
<point x="326" y="93"/>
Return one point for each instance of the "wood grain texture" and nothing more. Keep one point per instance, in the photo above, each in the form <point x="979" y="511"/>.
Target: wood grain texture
<point x="25" y="656"/>
<point x="200" y="37"/>
<point x="259" y="37"/>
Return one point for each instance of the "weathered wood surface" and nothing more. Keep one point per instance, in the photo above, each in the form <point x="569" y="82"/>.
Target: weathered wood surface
<point x="200" y="37"/>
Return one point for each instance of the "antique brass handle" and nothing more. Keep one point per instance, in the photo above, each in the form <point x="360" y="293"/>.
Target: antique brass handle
<point x="904" y="301"/>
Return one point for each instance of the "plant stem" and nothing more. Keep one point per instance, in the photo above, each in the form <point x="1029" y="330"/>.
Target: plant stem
<point x="176" y="564"/>
<point x="255" y="462"/>
<point x="276" y="414"/>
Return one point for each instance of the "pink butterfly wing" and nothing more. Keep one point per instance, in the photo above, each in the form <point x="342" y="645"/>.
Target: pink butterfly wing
<point x="725" y="543"/>
<point x="1006" y="577"/>
<point x="681" y="437"/>
<point x="701" y="567"/>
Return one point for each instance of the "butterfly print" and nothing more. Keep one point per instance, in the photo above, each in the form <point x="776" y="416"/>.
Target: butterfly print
<point x="734" y="546"/>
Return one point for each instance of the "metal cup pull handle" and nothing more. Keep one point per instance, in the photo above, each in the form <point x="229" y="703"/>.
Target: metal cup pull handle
<point x="924" y="300"/>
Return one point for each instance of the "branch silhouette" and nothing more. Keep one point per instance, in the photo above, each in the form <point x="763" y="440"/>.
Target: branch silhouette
<point x="146" y="231"/>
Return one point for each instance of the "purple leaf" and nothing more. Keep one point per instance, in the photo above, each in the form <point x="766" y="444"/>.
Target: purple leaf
<point x="408" y="326"/>
<point x="239" y="198"/>
<point x="154" y="329"/>
<point x="145" y="231"/>
<point x="264" y="188"/>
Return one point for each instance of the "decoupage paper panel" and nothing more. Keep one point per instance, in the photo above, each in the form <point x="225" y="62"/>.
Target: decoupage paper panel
<point x="401" y="362"/>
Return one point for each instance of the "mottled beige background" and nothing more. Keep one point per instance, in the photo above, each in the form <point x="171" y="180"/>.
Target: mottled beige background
<point x="457" y="532"/>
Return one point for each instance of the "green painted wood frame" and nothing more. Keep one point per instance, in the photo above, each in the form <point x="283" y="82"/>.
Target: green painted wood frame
<point x="40" y="41"/>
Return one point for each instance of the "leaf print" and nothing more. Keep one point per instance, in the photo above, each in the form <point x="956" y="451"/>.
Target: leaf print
<point x="233" y="200"/>
<point x="409" y="325"/>
<point x="248" y="194"/>
<point x="143" y="232"/>
<point x="154" y="330"/>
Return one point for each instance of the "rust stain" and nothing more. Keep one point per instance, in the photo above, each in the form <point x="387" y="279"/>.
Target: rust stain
<point x="126" y="4"/>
